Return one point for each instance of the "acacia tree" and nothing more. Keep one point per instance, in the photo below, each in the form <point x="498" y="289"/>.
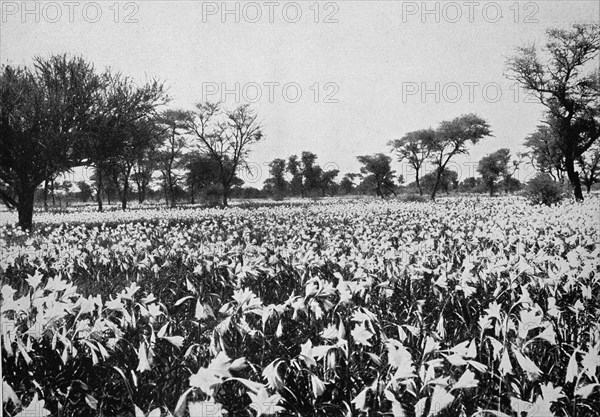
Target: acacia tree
<point x="145" y="165"/>
<point x="511" y="167"/>
<point x="571" y="95"/>
<point x="377" y="170"/>
<point x="124" y="128"/>
<point x="347" y="183"/>
<point x="415" y="148"/>
<point x="451" y="138"/>
<point x="312" y="176"/>
<point x="174" y="123"/>
<point x="310" y="172"/>
<point x="326" y="180"/>
<point x="201" y="172"/>
<point x="447" y="181"/>
<point x="544" y="154"/>
<point x="293" y="168"/>
<point x="277" y="182"/>
<point x="44" y="120"/>
<point x="141" y="136"/>
<point x="226" y="136"/>
<point x="494" y="166"/>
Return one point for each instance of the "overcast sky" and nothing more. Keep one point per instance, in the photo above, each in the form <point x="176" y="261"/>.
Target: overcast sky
<point x="338" y="78"/>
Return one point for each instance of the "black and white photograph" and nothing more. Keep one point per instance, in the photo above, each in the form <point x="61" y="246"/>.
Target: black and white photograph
<point x="304" y="208"/>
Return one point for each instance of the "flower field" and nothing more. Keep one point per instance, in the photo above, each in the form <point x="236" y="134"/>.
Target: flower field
<point x="465" y="307"/>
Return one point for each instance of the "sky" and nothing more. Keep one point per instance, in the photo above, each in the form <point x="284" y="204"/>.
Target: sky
<point x="337" y="78"/>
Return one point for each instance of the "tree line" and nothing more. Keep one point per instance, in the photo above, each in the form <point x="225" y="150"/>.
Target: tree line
<point x="61" y="113"/>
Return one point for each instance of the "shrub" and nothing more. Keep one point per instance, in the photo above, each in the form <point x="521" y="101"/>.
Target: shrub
<point x="542" y="189"/>
<point x="415" y="198"/>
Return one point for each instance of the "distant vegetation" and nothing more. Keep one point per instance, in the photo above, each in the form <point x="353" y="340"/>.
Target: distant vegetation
<point x="62" y="114"/>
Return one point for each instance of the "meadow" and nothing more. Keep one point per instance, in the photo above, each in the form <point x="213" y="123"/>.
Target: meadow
<point x="463" y="307"/>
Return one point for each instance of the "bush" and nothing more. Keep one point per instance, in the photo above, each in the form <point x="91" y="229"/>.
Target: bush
<point x="542" y="189"/>
<point x="415" y="198"/>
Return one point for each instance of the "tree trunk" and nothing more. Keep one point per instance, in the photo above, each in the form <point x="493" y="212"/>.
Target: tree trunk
<point x="588" y="187"/>
<point x="99" y="188"/>
<point x="125" y="195"/>
<point x="224" y="202"/>
<point x="171" y="191"/>
<point x="192" y="201"/>
<point x="418" y="183"/>
<point x="573" y="178"/>
<point x="46" y="195"/>
<point x="53" y="199"/>
<point x="438" y="176"/>
<point x="225" y="196"/>
<point x="25" y="208"/>
<point x="166" y="190"/>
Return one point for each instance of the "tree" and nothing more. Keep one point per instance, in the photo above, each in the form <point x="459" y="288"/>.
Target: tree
<point x="512" y="184"/>
<point x="312" y="175"/>
<point x="277" y="183"/>
<point x="326" y="180"/>
<point x="107" y="188"/>
<point x="226" y="135"/>
<point x="174" y="122"/>
<point x="204" y="174"/>
<point x="137" y="138"/>
<point x="202" y="171"/>
<point x="293" y="168"/>
<point x="571" y="97"/>
<point x="124" y="129"/>
<point x="311" y="172"/>
<point x="590" y="166"/>
<point x="143" y="170"/>
<point x="494" y="166"/>
<point x="415" y="148"/>
<point x="544" y="153"/>
<point x="510" y="168"/>
<point x="451" y="138"/>
<point x="347" y="183"/>
<point x="447" y="181"/>
<point x="470" y="184"/>
<point x="378" y="168"/>
<point x="85" y="191"/>
<point x="44" y="119"/>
